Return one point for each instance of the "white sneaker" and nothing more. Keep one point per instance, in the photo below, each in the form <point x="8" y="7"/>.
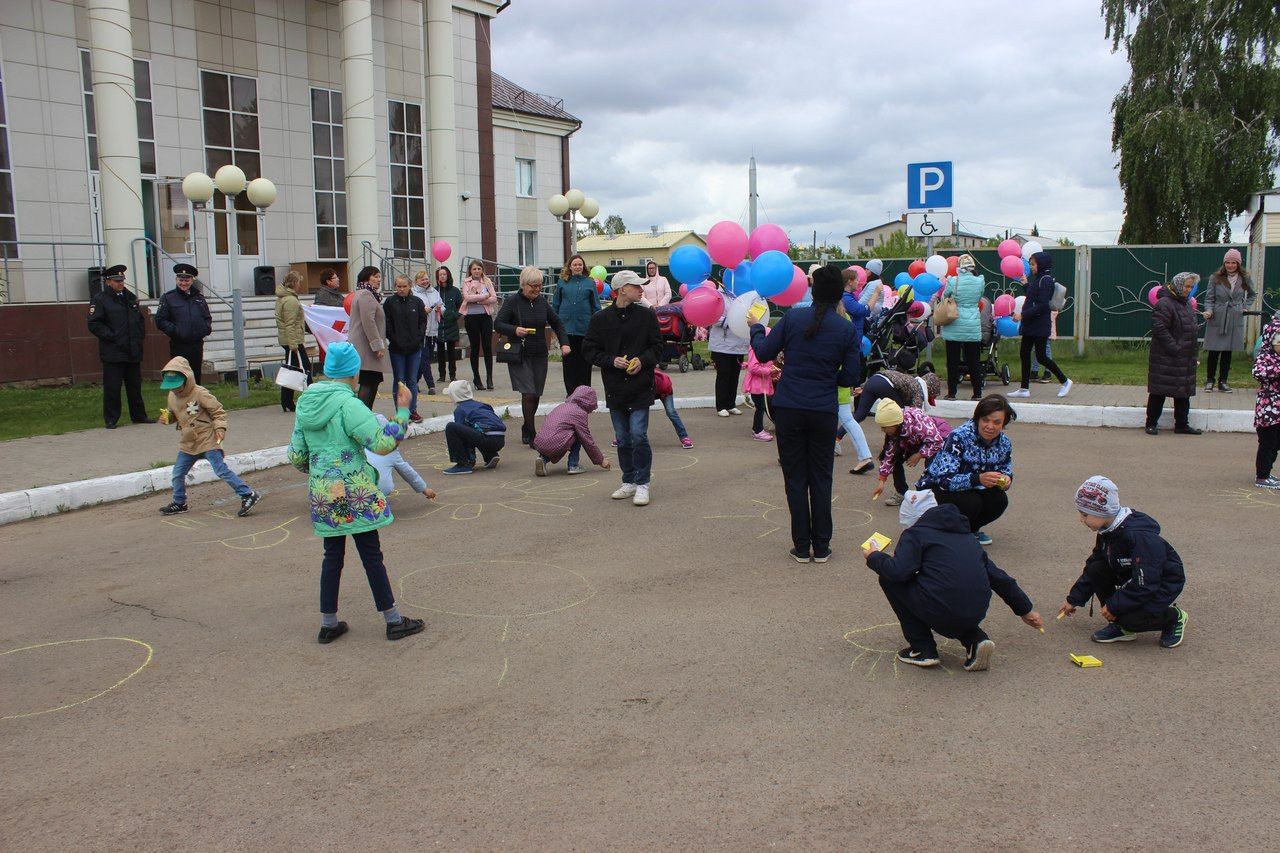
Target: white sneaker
<point x="1021" y="392"/>
<point x="839" y="449"/>
<point x="577" y="469"/>
<point x="539" y="467"/>
<point x="1065" y="389"/>
<point x="724" y="413"/>
<point x="626" y="491"/>
<point x="735" y="411"/>
<point x="642" y="495"/>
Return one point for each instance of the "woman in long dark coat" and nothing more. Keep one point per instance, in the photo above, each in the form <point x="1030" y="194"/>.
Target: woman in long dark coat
<point x="1171" y="370"/>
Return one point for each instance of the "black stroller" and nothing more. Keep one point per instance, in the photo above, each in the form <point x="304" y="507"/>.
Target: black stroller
<point x="991" y="365"/>
<point x="897" y="343"/>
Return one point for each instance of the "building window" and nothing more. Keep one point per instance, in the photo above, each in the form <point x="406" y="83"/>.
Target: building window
<point x="230" y="113"/>
<point x="528" y="244"/>
<point x="408" y="211"/>
<point x="524" y="178"/>
<point x="8" y="214"/>
<point x="329" y="174"/>
<point x="146" y="114"/>
<point x="869" y="242"/>
<point x="615" y="262"/>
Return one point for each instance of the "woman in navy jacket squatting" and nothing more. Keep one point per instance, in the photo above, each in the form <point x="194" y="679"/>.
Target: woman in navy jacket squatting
<point x="821" y="353"/>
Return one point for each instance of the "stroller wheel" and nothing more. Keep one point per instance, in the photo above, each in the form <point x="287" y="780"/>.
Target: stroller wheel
<point x="1004" y="373"/>
<point x="684" y="364"/>
<point x="698" y="363"/>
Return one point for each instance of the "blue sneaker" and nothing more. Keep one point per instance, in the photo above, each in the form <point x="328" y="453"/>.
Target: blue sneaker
<point x="458" y="469"/>
<point x="984" y="538"/>
<point x="1171" y="637"/>
<point x="1113" y="633"/>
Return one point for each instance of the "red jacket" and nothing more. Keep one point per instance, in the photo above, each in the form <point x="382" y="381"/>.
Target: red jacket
<point x="566" y="424"/>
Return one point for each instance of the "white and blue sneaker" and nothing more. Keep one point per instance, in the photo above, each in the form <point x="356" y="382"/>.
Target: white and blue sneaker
<point x="1065" y="389"/>
<point x="1171" y="637"/>
<point x="984" y="538"/>
<point x="918" y="658"/>
<point x="1267" y="483"/>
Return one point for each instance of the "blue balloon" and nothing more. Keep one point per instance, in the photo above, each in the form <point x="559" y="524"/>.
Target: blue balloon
<point x="866" y="345"/>
<point x="771" y="273"/>
<point x="1008" y="327"/>
<point x="727" y="280"/>
<point x="606" y="292"/>
<point x="690" y="264"/>
<point x="1026" y="267"/>
<point x="925" y="285"/>
<point x="742" y="281"/>
<point x="901" y="279"/>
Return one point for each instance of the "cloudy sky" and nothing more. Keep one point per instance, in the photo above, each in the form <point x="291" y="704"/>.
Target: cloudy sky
<point x="834" y="99"/>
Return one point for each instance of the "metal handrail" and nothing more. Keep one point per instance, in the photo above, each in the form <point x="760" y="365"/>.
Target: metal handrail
<point x="99" y="254"/>
<point x="206" y="291"/>
<point x="390" y="267"/>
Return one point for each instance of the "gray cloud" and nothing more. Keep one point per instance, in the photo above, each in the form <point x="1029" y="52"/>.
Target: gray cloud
<point x="834" y="102"/>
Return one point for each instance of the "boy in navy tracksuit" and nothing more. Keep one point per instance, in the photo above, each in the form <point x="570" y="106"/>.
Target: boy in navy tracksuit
<point x="940" y="579"/>
<point x="1135" y="573"/>
<point x="476" y="426"/>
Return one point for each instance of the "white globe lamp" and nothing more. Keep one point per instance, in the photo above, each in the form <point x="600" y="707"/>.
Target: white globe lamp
<point x="230" y="179"/>
<point x="197" y="187"/>
<point x="261" y="192"/>
<point x="558" y="205"/>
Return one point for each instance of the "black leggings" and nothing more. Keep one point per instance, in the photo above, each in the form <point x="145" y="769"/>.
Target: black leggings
<point x="980" y="506"/>
<point x="877" y="387"/>
<point x="728" y="371"/>
<point x="1268" y="445"/>
<point x="1217" y="357"/>
<point x="972" y="353"/>
<point x="1181" y="410"/>
<point x="297" y="356"/>
<point x="480" y="336"/>
<point x="449" y="350"/>
<point x="1041" y="346"/>
<point x="757" y="420"/>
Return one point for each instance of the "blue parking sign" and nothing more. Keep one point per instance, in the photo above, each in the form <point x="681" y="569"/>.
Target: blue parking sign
<point x="929" y="185"/>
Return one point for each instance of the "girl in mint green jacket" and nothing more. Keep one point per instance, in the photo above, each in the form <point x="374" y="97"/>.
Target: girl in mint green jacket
<point x="330" y="434"/>
<point x="963" y="336"/>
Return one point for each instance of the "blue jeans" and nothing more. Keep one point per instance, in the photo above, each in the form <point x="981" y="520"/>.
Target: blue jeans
<point x="404" y="367"/>
<point x="669" y="403"/>
<point x="219" y="465"/>
<point x="424" y="370"/>
<point x="635" y="457"/>
<point x="854" y="430"/>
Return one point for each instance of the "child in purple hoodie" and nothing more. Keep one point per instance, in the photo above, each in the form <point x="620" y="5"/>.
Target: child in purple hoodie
<point x="566" y="431"/>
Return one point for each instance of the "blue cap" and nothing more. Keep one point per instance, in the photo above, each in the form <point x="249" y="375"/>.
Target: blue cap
<point x="341" y="360"/>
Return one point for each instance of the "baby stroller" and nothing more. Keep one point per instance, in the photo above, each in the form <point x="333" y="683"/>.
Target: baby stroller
<point x="991" y="366"/>
<point x="897" y="343"/>
<point x="677" y="339"/>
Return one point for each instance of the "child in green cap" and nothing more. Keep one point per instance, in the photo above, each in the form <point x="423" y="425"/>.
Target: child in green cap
<point x="200" y="418"/>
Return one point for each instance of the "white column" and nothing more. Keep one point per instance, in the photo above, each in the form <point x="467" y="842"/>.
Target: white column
<point x="442" y="153"/>
<point x="120" y="193"/>
<point x="358" y="128"/>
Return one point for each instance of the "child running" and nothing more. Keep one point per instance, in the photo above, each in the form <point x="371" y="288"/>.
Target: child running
<point x="566" y="430"/>
<point x="1136" y="575"/>
<point x="200" y="418"/>
<point x="1266" y="414"/>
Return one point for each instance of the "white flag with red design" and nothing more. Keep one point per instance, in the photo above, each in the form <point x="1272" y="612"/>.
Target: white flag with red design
<point x="327" y="322"/>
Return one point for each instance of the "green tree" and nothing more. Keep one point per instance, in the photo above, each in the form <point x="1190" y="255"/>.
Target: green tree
<point x="1196" y="125"/>
<point x="613" y="224"/>
<point x="899" y="245"/>
<point x="805" y="251"/>
<point x="1066" y="242"/>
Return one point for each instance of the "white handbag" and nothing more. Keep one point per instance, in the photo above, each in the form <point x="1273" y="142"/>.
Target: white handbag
<point x="291" y="377"/>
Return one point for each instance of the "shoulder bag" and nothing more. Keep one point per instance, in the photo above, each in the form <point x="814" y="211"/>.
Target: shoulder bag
<point x="291" y="377"/>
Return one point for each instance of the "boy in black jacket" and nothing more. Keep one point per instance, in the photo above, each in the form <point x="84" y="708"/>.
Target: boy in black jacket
<point x="1135" y="573"/>
<point x="940" y="579"/>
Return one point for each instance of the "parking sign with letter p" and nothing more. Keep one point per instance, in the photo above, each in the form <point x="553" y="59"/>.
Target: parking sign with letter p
<point x="929" y="185"/>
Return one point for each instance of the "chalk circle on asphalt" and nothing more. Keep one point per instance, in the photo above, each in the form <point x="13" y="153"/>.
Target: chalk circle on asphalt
<point x="44" y="676"/>
<point x="482" y="493"/>
<point x="877" y="649"/>
<point x="664" y="461"/>
<point x="778" y="517"/>
<point x="495" y="589"/>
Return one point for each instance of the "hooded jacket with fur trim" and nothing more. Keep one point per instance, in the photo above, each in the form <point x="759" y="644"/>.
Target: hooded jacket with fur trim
<point x="196" y="413"/>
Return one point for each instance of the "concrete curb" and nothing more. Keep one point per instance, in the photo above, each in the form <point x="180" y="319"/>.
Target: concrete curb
<point x="51" y="500"/>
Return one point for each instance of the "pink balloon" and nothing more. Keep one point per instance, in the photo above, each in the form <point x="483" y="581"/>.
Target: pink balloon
<point x="1009" y="249"/>
<point x="441" y="250"/>
<point x="766" y="238"/>
<point x="795" y="291"/>
<point x="703" y="306"/>
<point x="727" y="243"/>
<point x="1153" y="295"/>
<point x="1011" y="265"/>
<point x="1193" y="303"/>
<point x="861" y="273"/>
<point x="1003" y="306"/>
<point x="684" y="291"/>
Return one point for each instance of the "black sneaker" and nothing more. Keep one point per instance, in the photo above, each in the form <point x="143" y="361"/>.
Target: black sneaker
<point x="173" y="509"/>
<point x="1151" y="430"/>
<point x="1171" y="637"/>
<point x="328" y="635"/>
<point x="799" y="556"/>
<point x="406" y="627"/>
<point x="1187" y="430"/>
<point x="1225" y="388"/>
<point x="248" y="502"/>
<point x="921" y="659"/>
<point x="979" y="657"/>
<point x="821" y="555"/>
<point x="492" y="461"/>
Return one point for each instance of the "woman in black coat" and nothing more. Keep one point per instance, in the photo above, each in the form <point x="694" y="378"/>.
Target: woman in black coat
<point x="1171" y="370"/>
<point x="524" y="319"/>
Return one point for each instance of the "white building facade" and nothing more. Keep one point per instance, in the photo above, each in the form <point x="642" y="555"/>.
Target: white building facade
<point x="377" y="120"/>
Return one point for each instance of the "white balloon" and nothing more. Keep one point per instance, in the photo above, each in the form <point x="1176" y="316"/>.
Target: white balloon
<point x="1030" y="247"/>
<point x="1017" y="304"/>
<point x="936" y="265"/>
<point x="738" y="313"/>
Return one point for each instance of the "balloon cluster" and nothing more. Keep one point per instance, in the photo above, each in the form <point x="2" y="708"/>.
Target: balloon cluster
<point x="1015" y="260"/>
<point x="920" y="283"/>
<point x="597" y="275"/>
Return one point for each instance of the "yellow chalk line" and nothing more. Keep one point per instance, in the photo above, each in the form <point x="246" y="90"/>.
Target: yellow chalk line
<point x="147" y="646"/>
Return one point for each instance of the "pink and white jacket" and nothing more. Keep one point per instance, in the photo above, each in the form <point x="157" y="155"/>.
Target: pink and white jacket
<point x="566" y="424"/>
<point x="478" y="291"/>
<point x="1266" y="369"/>
<point x="918" y="433"/>
<point x="759" y="376"/>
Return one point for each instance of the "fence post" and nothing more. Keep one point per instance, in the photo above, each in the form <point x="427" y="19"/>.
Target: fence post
<point x="1258" y="272"/>
<point x="1084" y="297"/>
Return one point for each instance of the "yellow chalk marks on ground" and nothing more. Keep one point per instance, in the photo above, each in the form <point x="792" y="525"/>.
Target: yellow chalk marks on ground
<point x="664" y="461"/>
<point x="777" y="517"/>
<point x="259" y="541"/>
<point x="870" y="644"/>
<point x="184" y="523"/>
<point x="1254" y="498"/>
<point x="472" y="496"/>
<point x="139" y="643"/>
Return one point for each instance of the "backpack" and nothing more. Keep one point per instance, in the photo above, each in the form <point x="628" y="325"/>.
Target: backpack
<point x="1059" y="299"/>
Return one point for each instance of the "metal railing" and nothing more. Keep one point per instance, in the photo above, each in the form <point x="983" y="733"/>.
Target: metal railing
<point x="390" y="266"/>
<point x="153" y="249"/>
<point x="11" y="262"/>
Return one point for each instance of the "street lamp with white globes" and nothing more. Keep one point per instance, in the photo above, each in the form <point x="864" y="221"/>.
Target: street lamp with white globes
<point x="230" y="180"/>
<point x="565" y="208"/>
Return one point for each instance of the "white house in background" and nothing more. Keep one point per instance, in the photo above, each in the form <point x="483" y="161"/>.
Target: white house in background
<point x="636" y="248"/>
<point x="869" y="238"/>
<point x="421" y="143"/>
<point x="1264" y="217"/>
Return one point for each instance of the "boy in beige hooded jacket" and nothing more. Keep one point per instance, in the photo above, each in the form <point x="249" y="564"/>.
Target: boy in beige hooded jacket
<point x="202" y="422"/>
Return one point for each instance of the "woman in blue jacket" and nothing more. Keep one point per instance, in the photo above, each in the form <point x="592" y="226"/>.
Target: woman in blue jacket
<point x="963" y="335"/>
<point x="1037" y="325"/>
<point x="821" y="353"/>
<point x="575" y="300"/>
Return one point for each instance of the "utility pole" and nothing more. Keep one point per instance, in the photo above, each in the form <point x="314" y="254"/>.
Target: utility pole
<point x="753" y="196"/>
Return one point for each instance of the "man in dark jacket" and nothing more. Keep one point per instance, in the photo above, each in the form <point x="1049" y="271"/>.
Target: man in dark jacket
<point x="1134" y="572"/>
<point x="624" y="342"/>
<point x="939" y="579"/>
<point x="330" y="292"/>
<point x="406" y="330"/>
<point x="184" y="316"/>
<point x="115" y="319"/>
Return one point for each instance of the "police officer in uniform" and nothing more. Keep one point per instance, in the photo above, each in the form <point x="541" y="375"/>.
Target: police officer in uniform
<point x="184" y="316"/>
<point x="115" y="319"/>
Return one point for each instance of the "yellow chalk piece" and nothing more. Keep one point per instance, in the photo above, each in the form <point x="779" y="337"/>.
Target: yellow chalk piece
<point x="164" y="416"/>
<point x="1041" y="630"/>
<point x="1085" y="661"/>
<point x="1060" y="615"/>
<point x="634" y="364"/>
<point x="877" y="542"/>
